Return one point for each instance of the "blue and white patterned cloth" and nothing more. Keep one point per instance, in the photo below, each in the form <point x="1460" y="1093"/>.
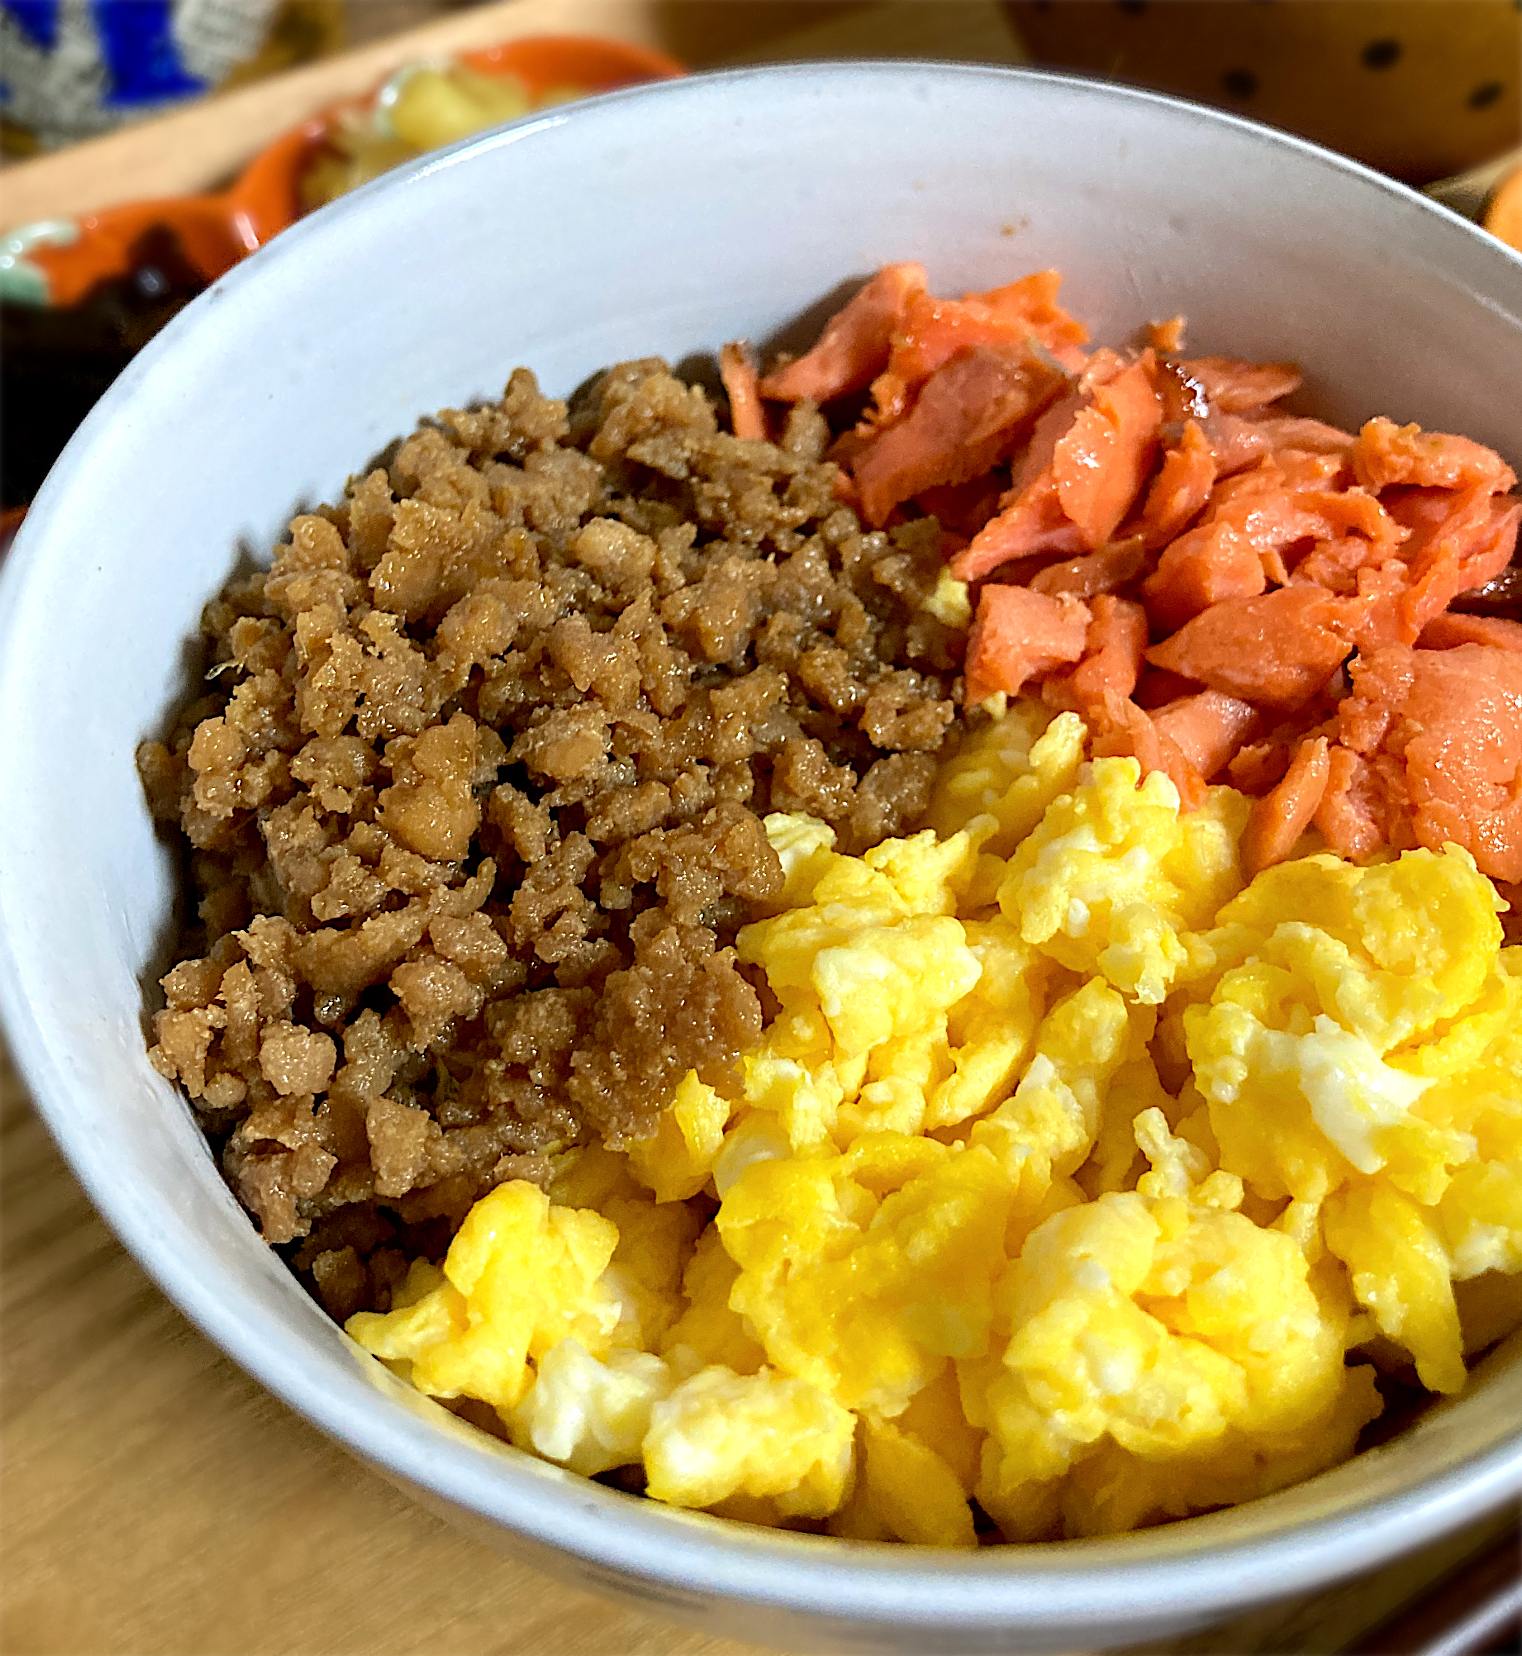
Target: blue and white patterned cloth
<point x="72" y="68"/>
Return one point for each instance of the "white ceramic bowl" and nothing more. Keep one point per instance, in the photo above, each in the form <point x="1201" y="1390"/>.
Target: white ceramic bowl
<point x="669" y="219"/>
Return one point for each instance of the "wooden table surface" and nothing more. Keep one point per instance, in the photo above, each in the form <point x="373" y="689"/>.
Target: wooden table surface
<point x="154" y="1501"/>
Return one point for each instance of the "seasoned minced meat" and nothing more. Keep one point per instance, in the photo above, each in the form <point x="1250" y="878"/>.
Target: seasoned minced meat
<point x="474" y="797"/>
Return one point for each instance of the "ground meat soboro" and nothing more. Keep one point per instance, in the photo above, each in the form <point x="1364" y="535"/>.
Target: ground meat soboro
<point x="474" y="797"/>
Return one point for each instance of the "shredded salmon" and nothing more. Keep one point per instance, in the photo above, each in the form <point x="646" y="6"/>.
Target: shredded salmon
<point x="966" y="416"/>
<point x="1221" y="587"/>
<point x="1354" y="532"/>
<point x="854" y="347"/>
<point x="1031" y="524"/>
<point x="1167" y="336"/>
<point x="1387" y="453"/>
<point x="1112" y="660"/>
<point x="1257" y="766"/>
<point x="737" y="369"/>
<point x="1277" y="650"/>
<point x="1103" y="460"/>
<point x="1032" y="303"/>
<point x="1209" y="729"/>
<point x="1233" y="386"/>
<point x="1181" y="488"/>
<point x="1474" y="546"/>
<point x="1107" y="570"/>
<point x="1283" y="814"/>
<point x="1446" y="631"/>
<point x="1274" y="506"/>
<point x="1017" y="635"/>
<point x="1452" y="721"/>
<point x="1351" y="814"/>
<point x="1155" y="688"/>
<point x="1130" y="732"/>
<point x="1235" y="443"/>
<point x="930" y="331"/>
<point x="1205" y="566"/>
<point x="1030" y="520"/>
<point x="1290" y="431"/>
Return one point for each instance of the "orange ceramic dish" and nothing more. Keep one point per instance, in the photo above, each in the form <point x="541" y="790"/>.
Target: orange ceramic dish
<point x="216" y="230"/>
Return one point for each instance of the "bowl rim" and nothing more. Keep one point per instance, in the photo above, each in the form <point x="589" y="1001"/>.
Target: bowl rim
<point x="1050" y="1585"/>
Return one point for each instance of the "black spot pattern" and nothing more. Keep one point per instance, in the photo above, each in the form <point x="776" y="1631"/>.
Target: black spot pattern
<point x="1381" y="54"/>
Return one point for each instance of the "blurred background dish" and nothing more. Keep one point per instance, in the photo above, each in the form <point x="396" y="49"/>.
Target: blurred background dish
<point x="1420" y="89"/>
<point x="422" y="106"/>
<point x="1429" y="91"/>
<point x="84" y="296"/>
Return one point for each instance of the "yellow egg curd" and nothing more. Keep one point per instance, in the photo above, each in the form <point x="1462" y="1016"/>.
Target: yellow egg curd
<point x="1072" y="1178"/>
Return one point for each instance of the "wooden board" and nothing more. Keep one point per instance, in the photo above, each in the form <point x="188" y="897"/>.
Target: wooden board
<point x="156" y="1501"/>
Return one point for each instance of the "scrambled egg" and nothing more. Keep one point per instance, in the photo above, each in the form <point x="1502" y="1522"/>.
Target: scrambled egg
<point x="1073" y="1186"/>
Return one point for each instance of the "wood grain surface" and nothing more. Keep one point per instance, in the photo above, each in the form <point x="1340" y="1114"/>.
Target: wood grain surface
<point x="154" y="1501"/>
<point x="157" y="1502"/>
